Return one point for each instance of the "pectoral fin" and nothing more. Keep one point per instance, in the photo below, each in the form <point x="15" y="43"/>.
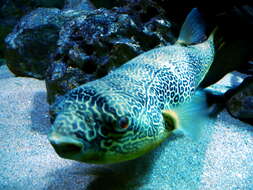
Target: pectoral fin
<point x="171" y="119"/>
<point x="189" y="117"/>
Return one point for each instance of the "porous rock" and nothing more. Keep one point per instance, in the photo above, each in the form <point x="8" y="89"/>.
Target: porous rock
<point x="83" y="44"/>
<point x="240" y="101"/>
<point x="11" y="11"/>
<point x="91" y="45"/>
<point x="31" y="43"/>
<point x="78" y="5"/>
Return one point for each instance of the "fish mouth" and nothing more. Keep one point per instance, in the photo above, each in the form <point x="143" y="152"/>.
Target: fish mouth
<point x="66" y="147"/>
<point x="74" y="149"/>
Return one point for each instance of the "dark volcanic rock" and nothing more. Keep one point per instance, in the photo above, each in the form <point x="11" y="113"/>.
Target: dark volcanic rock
<point x="64" y="78"/>
<point x="9" y="15"/>
<point x="100" y="41"/>
<point x="108" y="3"/>
<point x="46" y="3"/>
<point x="235" y="23"/>
<point x="82" y="45"/>
<point x="4" y="31"/>
<point x="30" y="44"/>
<point x="33" y="40"/>
<point x="12" y="10"/>
<point x="2" y="62"/>
<point x="79" y="5"/>
<point x="240" y="101"/>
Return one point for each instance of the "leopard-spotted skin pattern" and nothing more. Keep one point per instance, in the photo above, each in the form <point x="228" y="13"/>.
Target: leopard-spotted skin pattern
<point x="138" y="90"/>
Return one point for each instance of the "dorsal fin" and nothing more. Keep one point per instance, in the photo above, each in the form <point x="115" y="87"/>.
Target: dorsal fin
<point x="193" y="30"/>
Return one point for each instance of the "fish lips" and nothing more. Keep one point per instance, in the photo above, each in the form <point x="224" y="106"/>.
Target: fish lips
<point x="75" y="149"/>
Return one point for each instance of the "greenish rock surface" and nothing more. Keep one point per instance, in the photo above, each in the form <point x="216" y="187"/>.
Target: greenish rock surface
<point x="221" y="159"/>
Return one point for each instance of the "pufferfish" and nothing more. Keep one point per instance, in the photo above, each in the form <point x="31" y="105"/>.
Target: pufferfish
<point x="139" y="105"/>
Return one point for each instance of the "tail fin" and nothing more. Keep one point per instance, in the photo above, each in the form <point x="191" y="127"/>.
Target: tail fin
<point x="193" y="30"/>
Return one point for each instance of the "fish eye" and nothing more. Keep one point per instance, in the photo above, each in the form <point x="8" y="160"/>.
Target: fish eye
<point x="123" y="122"/>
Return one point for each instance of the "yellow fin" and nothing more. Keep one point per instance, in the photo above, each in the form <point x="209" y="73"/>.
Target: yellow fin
<point x="188" y="117"/>
<point x="171" y="119"/>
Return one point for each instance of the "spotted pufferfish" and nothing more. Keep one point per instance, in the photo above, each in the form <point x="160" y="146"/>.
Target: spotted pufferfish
<point x="139" y="105"/>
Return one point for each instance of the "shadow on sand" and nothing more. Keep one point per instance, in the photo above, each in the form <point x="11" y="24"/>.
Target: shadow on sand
<point x="166" y="165"/>
<point x="176" y="164"/>
<point x="39" y="114"/>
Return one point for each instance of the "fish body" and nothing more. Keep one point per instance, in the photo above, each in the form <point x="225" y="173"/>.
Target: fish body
<point x="134" y="108"/>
